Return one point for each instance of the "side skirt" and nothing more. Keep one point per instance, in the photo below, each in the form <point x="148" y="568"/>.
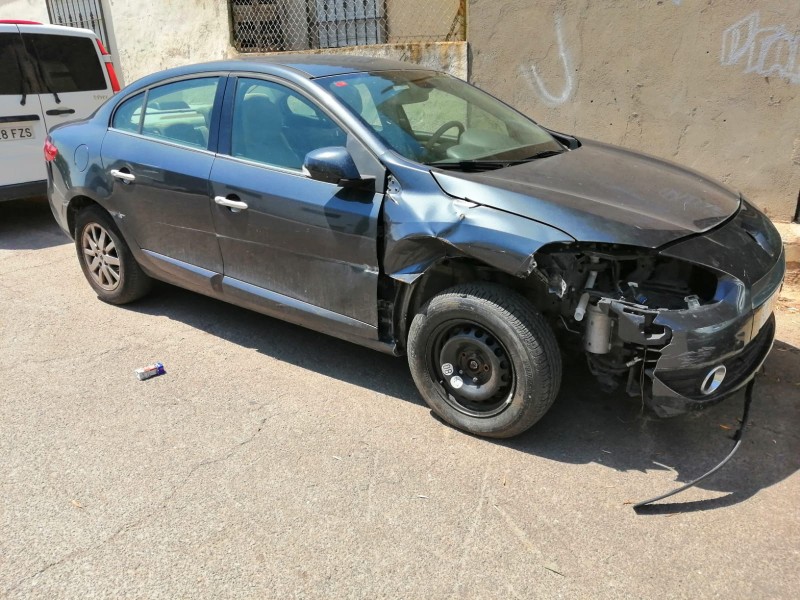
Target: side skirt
<point x="261" y="300"/>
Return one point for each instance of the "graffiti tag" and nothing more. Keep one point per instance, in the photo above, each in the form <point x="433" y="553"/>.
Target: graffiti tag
<point x="763" y="50"/>
<point x="535" y="79"/>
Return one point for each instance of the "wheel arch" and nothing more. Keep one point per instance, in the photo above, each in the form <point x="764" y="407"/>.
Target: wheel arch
<point x="77" y="204"/>
<point x="428" y="247"/>
<point x="412" y="292"/>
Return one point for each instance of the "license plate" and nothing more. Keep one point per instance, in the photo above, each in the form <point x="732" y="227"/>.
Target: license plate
<point x="11" y="134"/>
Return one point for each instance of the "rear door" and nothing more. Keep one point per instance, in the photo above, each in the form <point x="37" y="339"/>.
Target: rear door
<point x="158" y="153"/>
<point x="22" y="129"/>
<point x="72" y="78"/>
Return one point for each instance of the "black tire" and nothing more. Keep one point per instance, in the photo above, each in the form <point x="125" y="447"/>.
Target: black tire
<point x="114" y="283"/>
<point x="495" y="335"/>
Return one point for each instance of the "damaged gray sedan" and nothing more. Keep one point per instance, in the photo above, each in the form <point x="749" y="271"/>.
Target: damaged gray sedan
<point x="405" y="210"/>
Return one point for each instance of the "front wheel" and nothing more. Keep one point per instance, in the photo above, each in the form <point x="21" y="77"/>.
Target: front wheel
<point x="484" y="359"/>
<point x="106" y="260"/>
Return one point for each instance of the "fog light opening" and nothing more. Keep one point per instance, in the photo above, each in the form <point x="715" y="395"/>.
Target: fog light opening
<point x="713" y="380"/>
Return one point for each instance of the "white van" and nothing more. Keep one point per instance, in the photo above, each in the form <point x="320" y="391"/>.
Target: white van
<point x="48" y="75"/>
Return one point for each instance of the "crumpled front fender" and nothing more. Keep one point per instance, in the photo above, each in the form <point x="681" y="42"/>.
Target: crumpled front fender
<point x="420" y="229"/>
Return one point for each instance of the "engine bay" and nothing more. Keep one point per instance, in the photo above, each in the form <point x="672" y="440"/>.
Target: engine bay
<point x="610" y="296"/>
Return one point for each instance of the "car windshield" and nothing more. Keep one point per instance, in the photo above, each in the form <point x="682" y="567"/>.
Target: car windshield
<point x="439" y="120"/>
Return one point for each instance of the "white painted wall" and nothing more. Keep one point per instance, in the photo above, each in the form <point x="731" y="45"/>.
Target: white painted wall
<point x="28" y="10"/>
<point x="152" y="35"/>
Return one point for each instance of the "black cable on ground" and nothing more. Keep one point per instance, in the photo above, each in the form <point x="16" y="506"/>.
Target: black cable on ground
<point x="737" y="437"/>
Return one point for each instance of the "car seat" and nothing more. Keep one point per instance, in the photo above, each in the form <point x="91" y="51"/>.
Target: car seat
<point x="258" y="134"/>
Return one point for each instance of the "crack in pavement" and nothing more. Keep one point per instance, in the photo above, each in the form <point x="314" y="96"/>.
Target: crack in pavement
<point x="137" y="523"/>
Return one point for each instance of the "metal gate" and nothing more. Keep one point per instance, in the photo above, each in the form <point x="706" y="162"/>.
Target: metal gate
<point x="87" y="14"/>
<point x="350" y="22"/>
<point x="277" y="25"/>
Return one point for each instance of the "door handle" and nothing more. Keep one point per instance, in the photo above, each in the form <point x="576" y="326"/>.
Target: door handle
<point x="234" y="205"/>
<point x="126" y="177"/>
<point x="61" y="111"/>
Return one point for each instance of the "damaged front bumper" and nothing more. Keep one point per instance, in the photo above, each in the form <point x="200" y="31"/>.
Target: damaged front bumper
<point x="713" y="350"/>
<point x="678" y="387"/>
<point x="687" y="358"/>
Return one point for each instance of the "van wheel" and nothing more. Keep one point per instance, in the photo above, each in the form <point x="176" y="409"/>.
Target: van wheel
<point x="484" y="359"/>
<point x="106" y="260"/>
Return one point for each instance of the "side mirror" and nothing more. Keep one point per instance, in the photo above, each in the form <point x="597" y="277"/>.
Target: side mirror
<point x="332" y="165"/>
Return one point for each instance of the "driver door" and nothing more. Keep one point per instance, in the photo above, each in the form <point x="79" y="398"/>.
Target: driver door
<point x="287" y="234"/>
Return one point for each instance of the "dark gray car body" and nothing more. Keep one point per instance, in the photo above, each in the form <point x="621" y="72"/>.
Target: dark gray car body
<point x="356" y="262"/>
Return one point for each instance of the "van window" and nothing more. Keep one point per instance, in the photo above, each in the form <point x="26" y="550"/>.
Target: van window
<point x="66" y="63"/>
<point x="11" y="57"/>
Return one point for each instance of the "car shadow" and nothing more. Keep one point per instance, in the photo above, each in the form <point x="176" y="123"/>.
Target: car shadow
<point x="616" y="431"/>
<point x="29" y="225"/>
<point x="584" y="425"/>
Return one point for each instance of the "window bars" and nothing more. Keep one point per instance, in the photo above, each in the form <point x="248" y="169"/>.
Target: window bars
<point x="279" y="25"/>
<point x="87" y="14"/>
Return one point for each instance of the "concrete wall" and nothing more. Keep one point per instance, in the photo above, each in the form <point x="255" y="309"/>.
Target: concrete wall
<point x="176" y="35"/>
<point x="157" y="34"/>
<point x="27" y="10"/>
<point x="410" y="19"/>
<point x="711" y="84"/>
<point x="152" y="35"/>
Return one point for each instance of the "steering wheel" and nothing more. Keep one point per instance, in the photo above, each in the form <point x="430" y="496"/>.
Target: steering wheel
<point x="433" y="140"/>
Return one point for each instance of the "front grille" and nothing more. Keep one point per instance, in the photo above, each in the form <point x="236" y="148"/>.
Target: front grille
<point x="740" y="367"/>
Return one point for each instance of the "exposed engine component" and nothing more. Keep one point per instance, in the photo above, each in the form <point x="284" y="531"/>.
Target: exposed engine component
<point x="597" y="338"/>
<point x="611" y="296"/>
<point x="590" y="281"/>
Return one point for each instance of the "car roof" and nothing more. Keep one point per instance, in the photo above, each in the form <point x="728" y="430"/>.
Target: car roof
<point x="313" y="65"/>
<point x="47" y="28"/>
<point x="325" y="65"/>
<point x="309" y="66"/>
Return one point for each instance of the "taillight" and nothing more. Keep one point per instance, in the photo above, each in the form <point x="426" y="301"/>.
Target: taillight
<point x="112" y="74"/>
<point x="50" y="150"/>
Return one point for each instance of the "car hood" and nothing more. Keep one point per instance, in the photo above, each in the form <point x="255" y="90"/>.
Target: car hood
<point x="602" y="193"/>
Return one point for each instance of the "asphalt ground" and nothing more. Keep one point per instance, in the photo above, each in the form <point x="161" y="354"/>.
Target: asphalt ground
<point x="272" y="461"/>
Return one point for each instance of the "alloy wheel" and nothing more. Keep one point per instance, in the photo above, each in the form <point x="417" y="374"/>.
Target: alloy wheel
<point x="100" y="255"/>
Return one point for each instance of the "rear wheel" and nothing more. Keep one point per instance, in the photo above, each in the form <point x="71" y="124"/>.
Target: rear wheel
<point x="484" y="359"/>
<point x="106" y="260"/>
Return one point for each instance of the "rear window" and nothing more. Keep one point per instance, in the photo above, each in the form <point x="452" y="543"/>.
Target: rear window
<point x="10" y="61"/>
<point x="180" y="111"/>
<point x="66" y="63"/>
<point x="129" y="114"/>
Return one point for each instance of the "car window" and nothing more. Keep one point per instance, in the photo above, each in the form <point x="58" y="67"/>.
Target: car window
<point x="437" y="119"/>
<point x="11" y="56"/>
<point x="66" y="63"/>
<point x="368" y="111"/>
<point x="276" y="125"/>
<point x="425" y="117"/>
<point x="128" y="115"/>
<point x="181" y="111"/>
<point x="301" y="108"/>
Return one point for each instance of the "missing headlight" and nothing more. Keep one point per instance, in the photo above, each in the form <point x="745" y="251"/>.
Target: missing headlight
<point x="612" y="295"/>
